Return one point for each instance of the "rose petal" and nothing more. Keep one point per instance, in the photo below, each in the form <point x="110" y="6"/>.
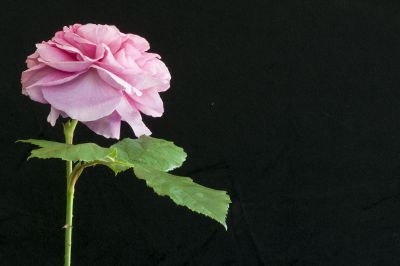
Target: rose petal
<point x="131" y="51"/>
<point x="158" y="69"/>
<point x="143" y="81"/>
<point x="40" y="75"/>
<point x="85" y="98"/>
<point x="59" y="59"/>
<point x="75" y="66"/>
<point x="87" y="47"/>
<point x="55" y="78"/>
<point x="139" y="42"/>
<point x="32" y="60"/>
<point x="35" y="94"/>
<point x="53" y="116"/>
<point x="32" y="75"/>
<point x="146" y="57"/>
<point x="101" y="34"/>
<point x="52" y="53"/>
<point x="116" y="81"/>
<point x="127" y="62"/>
<point x="109" y="62"/>
<point x="82" y="56"/>
<point x="131" y="115"/>
<point x="149" y="103"/>
<point x="108" y="126"/>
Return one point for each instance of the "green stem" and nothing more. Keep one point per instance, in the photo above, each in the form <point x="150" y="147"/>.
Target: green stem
<point x="68" y="227"/>
<point x="69" y="128"/>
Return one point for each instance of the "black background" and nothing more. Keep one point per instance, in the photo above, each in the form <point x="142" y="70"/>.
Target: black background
<point x="290" y="106"/>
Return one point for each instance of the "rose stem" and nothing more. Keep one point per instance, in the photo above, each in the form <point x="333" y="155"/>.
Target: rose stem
<point x="69" y="128"/>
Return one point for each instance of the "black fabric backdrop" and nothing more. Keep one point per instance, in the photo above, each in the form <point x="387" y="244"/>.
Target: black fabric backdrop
<point x="291" y="106"/>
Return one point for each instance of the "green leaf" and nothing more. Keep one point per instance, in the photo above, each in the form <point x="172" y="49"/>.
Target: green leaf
<point x="117" y="166"/>
<point x="87" y="152"/>
<point x="41" y="142"/>
<point x="157" y="153"/>
<point x="150" y="158"/>
<point x="183" y="191"/>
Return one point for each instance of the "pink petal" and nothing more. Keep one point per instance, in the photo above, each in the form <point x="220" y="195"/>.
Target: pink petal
<point x="68" y="66"/>
<point x="85" y="98"/>
<point x="149" y="103"/>
<point x="139" y="42"/>
<point x="60" y="39"/>
<point x="108" y="126"/>
<point x="52" y="53"/>
<point x="131" y="115"/>
<point x="39" y="75"/>
<point x="115" y="81"/>
<point x="35" y="94"/>
<point x="79" y="53"/>
<point x="132" y="51"/>
<point x="109" y="62"/>
<point x="146" y="57"/>
<point x="53" y="116"/>
<point x="143" y="82"/>
<point x="158" y="69"/>
<point x="87" y="47"/>
<point x="101" y="34"/>
<point x="54" y="77"/>
<point x="127" y="61"/>
<point x="32" y="75"/>
<point x="59" y="59"/>
<point x="32" y="60"/>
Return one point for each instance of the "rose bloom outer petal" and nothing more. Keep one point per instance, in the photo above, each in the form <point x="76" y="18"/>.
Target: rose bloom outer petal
<point x="35" y="94"/>
<point x="85" y="98"/>
<point x="34" y="78"/>
<point x="158" y="69"/>
<point x="59" y="59"/>
<point x="53" y="116"/>
<point x="144" y="81"/>
<point x="141" y="61"/>
<point x="78" y="53"/>
<point x="32" y="60"/>
<point x="139" y="42"/>
<point x="149" y="103"/>
<point x="33" y="74"/>
<point x="115" y="81"/>
<point x="130" y="114"/>
<point x="68" y="66"/>
<point x="108" y="126"/>
<point x="43" y="75"/>
<point x="48" y="52"/>
<point x="54" y="77"/>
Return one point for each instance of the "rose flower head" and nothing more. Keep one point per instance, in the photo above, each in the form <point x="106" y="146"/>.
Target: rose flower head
<point x="99" y="76"/>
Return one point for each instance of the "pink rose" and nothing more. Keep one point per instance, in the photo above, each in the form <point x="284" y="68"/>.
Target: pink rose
<point x="99" y="76"/>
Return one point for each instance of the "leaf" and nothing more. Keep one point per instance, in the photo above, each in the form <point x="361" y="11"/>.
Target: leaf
<point x="157" y="153"/>
<point x="183" y="191"/>
<point x="117" y="166"/>
<point x="150" y="158"/>
<point x="41" y="142"/>
<point x="87" y="152"/>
